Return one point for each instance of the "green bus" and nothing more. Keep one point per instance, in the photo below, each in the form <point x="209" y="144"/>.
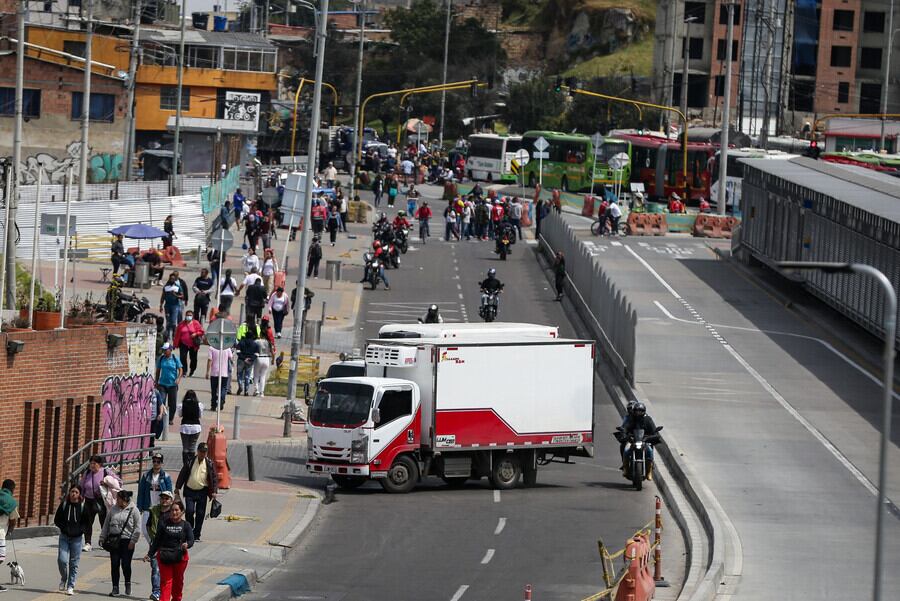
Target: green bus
<point x="570" y="160"/>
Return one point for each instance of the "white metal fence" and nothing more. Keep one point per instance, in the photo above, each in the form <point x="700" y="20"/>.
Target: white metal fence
<point x="604" y="308"/>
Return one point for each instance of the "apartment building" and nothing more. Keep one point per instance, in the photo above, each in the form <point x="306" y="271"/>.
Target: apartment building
<point x="793" y="60"/>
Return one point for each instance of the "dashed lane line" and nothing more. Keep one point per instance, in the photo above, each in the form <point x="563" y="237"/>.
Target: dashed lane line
<point x="501" y="524"/>
<point x="496" y="496"/>
<point x="488" y="556"/>
<point x="459" y="592"/>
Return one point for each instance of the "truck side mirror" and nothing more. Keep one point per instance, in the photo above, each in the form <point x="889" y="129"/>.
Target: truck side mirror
<point x="659" y="428"/>
<point x="376" y="415"/>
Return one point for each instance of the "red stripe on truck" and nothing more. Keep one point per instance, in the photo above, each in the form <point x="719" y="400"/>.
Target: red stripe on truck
<point x="481" y="427"/>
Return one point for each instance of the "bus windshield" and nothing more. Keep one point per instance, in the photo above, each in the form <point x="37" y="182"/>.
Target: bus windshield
<point x="491" y="148"/>
<point x="610" y="149"/>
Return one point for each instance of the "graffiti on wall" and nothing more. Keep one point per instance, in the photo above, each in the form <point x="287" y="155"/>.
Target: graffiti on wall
<point x="141" y="349"/>
<point x="127" y="410"/>
<point x="102" y="167"/>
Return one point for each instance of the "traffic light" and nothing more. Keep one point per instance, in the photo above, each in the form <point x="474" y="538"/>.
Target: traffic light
<point x="558" y="86"/>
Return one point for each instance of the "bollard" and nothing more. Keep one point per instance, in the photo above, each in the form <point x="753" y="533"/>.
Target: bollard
<point x="251" y="470"/>
<point x="198" y="255"/>
<point x="330" y="489"/>
<point x="236" y="426"/>
<point x="527" y="592"/>
<point x="286" y="433"/>
<point x="657" y="553"/>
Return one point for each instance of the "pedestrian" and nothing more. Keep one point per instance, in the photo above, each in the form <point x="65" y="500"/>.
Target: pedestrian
<point x="269" y="267"/>
<point x="160" y="411"/>
<point x="169" y="229"/>
<point x="228" y="287"/>
<point x="256" y="298"/>
<point x="170" y="301"/>
<point x="515" y="215"/>
<point x="559" y="273"/>
<point x="117" y="252"/>
<point x="218" y="371"/>
<point x="212" y="257"/>
<point x="224" y="216"/>
<point x="279" y="305"/>
<point x="9" y="517"/>
<point x="467" y="220"/>
<point x="538" y="216"/>
<point x="314" y="257"/>
<point x="266" y="331"/>
<point x="250" y="261"/>
<point x="151" y="484"/>
<point x="262" y="361"/>
<point x="188" y="338"/>
<point x="342" y="209"/>
<point x="317" y="216"/>
<point x="329" y="174"/>
<point x="169" y="371"/>
<point x="158" y="514"/>
<point x="393" y="190"/>
<point x="450" y="223"/>
<point x="198" y="483"/>
<point x="191" y="413"/>
<point x="482" y="218"/>
<point x="332" y="224"/>
<point x="238" y="203"/>
<point x="174" y="536"/>
<point x="202" y="288"/>
<point x="71" y="519"/>
<point x="246" y="351"/>
<point x="120" y="533"/>
<point x="92" y="492"/>
<point x="378" y="189"/>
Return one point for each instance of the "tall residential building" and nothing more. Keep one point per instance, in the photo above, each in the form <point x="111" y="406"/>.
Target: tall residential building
<point x="801" y="59"/>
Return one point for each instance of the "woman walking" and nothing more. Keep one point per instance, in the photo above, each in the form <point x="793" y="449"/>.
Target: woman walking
<point x="378" y="189"/>
<point x="120" y="534"/>
<point x="393" y="189"/>
<point x="279" y="305"/>
<point x="188" y="337"/>
<point x="228" y="287"/>
<point x="174" y="536"/>
<point x="269" y="267"/>
<point x="332" y="224"/>
<point x="218" y="370"/>
<point x="71" y="519"/>
<point x="262" y="361"/>
<point x="191" y="411"/>
<point x="91" y="491"/>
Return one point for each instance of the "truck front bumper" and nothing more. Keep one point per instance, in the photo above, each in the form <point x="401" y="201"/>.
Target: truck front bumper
<point x="341" y="469"/>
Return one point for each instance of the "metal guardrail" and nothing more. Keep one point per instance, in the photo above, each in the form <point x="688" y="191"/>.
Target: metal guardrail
<point x="127" y="458"/>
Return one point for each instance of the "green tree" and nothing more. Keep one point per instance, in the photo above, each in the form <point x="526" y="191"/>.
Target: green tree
<point x="533" y="104"/>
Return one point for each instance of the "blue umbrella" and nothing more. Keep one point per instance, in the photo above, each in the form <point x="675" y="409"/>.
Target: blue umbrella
<point x="139" y="231"/>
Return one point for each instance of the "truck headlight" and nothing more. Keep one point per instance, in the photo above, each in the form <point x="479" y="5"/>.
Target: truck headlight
<point x="358" y="449"/>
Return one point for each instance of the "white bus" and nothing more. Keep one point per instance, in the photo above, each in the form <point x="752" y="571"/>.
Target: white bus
<point x="734" y="174"/>
<point x="489" y="157"/>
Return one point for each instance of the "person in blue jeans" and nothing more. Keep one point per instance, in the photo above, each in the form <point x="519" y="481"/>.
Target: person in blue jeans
<point x="169" y="371"/>
<point x="72" y="521"/>
<point x="172" y="302"/>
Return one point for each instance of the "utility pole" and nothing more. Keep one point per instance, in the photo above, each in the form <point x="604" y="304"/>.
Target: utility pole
<point x="86" y="100"/>
<point x="767" y="76"/>
<point x="297" y="334"/>
<point x="176" y="154"/>
<point x="684" y="67"/>
<point x="726" y="111"/>
<point x="444" y="80"/>
<point x="359" y="71"/>
<point x="887" y="74"/>
<point x="672" y="13"/>
<point x="132" y="71"/>
<point x="12" y="201"/>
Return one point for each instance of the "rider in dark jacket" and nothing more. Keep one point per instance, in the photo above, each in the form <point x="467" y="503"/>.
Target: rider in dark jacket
<point x="637" y="419"/>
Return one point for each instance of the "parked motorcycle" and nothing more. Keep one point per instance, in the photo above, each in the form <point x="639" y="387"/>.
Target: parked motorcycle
<point x="638" y="457"/>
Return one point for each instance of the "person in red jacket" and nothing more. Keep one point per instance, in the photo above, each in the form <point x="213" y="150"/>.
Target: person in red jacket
<point x="423" y="214"/>
<point x="188" y="336"/>
<point x="496" y="217"/>
<point x="675" y="204"/>
<point x="400" y="221"/>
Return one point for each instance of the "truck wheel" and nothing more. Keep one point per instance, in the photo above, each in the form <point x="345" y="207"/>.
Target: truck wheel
<point x="455" y="481"/>
<point x="506" y="471"/>
<point x="402" y="476"/>
<point x="349" y="482"/>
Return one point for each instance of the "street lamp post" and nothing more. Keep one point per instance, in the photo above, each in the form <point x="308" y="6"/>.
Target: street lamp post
<point x="297" y="333"/>
<point x="444" y="79"/>
<point x="889" y="325"/>
<point x="359" y="72"/>
<point x="684" y="67"/>
<point x="887" y="71"/>
<point x="176" y="154"/>
<point x="726" y="111"/>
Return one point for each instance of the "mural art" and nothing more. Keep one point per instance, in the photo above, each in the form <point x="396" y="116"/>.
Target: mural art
<point x="127" y="410"/>
<point x="102" y="167"/>
<point x="242" y="106"/>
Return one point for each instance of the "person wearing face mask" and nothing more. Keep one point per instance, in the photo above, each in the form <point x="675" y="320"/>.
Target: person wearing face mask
<point x="188" y="337"/>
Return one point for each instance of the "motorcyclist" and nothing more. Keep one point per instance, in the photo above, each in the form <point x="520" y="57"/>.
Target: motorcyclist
<point x="505" y="228"/>
<point x="490" y="285"/>
<point x="380" y="254"/>
<point x="381" y="222"/>
<point x="400" y="221"/>
<point x="433" y="315"/>
<point x="637" y="419"/>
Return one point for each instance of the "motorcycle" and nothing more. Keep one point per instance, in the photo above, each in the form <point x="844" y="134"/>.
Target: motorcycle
<point x="402" y="238"/>
<point x="489" y="306"/>
<point x="503" y="246"/>
<point x="373" y="266"/>
<point x="638" y="452"/>
<point x="393" y="255"/>
<point x="130" y="307"/>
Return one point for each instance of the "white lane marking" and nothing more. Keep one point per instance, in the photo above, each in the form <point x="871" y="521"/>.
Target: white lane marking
<point x="459" y="286"/>
<point x="496" y="496"/>
<point x="412" y="303"/>
<point x="459" y="592"/>
<point x="488" y="556"/>
<point x="867" y="374"/>
<point x="461" y="297"/>
<point x="616" y="243"/>
<point x="867" y="484"/>
<point x="501" y="524"/>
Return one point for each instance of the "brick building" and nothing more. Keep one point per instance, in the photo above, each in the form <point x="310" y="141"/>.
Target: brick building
<point x="64" y="389"/>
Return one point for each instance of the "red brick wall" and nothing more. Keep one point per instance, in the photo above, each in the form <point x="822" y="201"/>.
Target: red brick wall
<point x="828" y="77"/>
<point x="486" y="11"/>
<point x="720" y="32"/>
<point x="50" y="405"/>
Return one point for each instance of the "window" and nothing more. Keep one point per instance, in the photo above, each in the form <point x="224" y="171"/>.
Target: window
<point x="695" y="10"/>
<point x="74" y="48"/>
<point x="802" y="95"/>
<point x="248" y="60"/>
<point x="695" y="51"/>
<point x="31" y="102"/>
<point x="843" y="92"/>
<point x="870" y="98"/>
<point x="870" y="58"/>
<point x="723" y="15"/>
<point x="202" y="57"/>
<point x="873" y="22"/>
<point x="103" y="107"/>
<point x="394" y="405"/>
<point x="843" y="20"/>
<point x="720" y="50"/>
<point x="168" y="95"/>
<point x="840" y="56"/>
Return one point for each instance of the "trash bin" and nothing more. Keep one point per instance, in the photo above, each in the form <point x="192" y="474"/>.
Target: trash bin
<point x="332" y="270"/>
<point x="141" y="275"/>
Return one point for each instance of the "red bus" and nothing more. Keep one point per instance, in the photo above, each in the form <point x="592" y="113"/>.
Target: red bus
<point x="657" y="163"/>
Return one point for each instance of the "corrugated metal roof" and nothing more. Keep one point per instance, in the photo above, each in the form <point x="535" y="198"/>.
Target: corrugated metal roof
<point x="197" y="37"/>
<point x="866" y="189"/>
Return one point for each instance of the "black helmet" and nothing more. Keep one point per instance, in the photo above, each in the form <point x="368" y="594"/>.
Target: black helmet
<point x="639" y="410"/>
<point x="433" y="310"/>
<point x="492" y="273"/>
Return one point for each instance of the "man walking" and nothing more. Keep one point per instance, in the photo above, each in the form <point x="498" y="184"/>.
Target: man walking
<point x="169" y="371"/>
<point x="198" y="483"/>
<point x="9" y="515"/>
<point x="515" y="215"/>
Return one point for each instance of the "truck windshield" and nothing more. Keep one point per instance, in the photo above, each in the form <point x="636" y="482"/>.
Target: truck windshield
<point x="341" y="403"/>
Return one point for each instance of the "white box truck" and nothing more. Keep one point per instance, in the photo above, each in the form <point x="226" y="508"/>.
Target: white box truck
<point x="467" y="407"/>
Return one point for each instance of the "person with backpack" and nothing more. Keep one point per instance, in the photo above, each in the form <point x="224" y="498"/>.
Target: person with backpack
<point x="314" y="258"/>
<point x="71" y="519"/>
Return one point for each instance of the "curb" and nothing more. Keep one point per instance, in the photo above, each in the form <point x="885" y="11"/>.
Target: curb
<point x="716" y="565"/>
